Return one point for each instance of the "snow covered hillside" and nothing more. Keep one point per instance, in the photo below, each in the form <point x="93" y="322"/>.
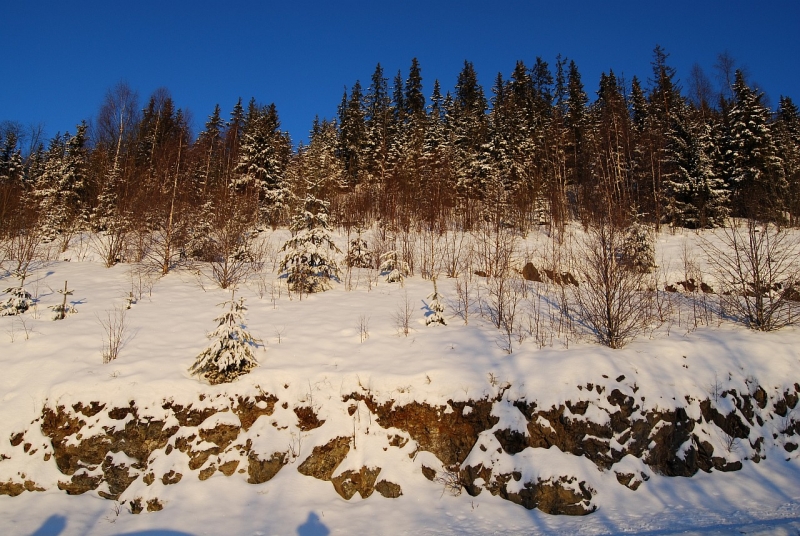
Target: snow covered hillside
<point x="363" y="415"/>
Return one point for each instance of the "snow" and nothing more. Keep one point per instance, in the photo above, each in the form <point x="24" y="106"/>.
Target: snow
<point x="314" y="356"/>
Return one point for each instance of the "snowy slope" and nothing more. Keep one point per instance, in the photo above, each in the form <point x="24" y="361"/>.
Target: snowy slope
<point x="324" y="347"/>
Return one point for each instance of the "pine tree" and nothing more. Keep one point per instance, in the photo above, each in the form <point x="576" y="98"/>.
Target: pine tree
<point x="54" y="214"/>
<point x="209" y="150"/>
<point x="378" y="114"/>
<point x="231" y="351"/>
<point x="469" y="125"/>
<point x="414" y="97"/>
<point x="11" y="176"/>
<point x="309" y="265"/>
<point x="638" y="252"/>
<point x="436" y="308"/>
<point x="576" y="123"/>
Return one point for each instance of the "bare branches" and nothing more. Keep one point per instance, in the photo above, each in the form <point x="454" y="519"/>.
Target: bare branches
<point x="757" y="267"/>
<point x="114" y="332"/>
<point x="612" y="298"/>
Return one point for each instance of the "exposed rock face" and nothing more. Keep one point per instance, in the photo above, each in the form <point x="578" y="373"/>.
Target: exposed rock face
<point x="549" y="496"/>
<point x="481" y="445"/>
<point x="325" y="459"/>
<point x="260" y="471"/>
<point x="450" y="435"/>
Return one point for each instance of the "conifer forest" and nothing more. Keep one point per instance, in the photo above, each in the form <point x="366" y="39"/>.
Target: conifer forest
<point x="541" y="148"/>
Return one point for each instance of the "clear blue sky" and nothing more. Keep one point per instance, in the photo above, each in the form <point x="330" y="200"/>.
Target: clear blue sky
<point x="59" y="58"/>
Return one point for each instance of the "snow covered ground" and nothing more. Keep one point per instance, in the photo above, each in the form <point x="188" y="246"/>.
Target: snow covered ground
<point x="324" y="346"/>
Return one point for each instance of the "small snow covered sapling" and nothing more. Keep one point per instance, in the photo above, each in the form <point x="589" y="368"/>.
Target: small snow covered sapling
<point x="436" y="308"/>
<point x="19" y="300"/>
<point x="358" y="254"/>
<point x="61" y="311"/>
<point x="231" y="351"/>
<point x="394" y="268"/>
<point x="637" y="249"/>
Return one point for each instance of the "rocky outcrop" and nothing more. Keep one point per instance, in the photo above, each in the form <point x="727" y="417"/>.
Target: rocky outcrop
<point x="492" y="445"/>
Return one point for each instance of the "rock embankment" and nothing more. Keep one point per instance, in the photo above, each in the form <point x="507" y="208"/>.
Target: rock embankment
<point x="500" y="445"/>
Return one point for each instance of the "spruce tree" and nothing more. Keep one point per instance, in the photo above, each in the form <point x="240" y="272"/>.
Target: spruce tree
<point x="230" y="353"/>
<point x="787" y="130"/>
<point x="757" y="175"/>
<point x="393" y="267"/>
<point x="19" y="299"/>
<point x="436" y="308"/>
<point x="261" y="169"/>
<point x="309" y="265"/>
<point x="696" y="196"/>
<point x="358" y="254"/>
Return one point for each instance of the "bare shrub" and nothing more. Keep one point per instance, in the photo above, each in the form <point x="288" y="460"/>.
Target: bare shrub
<point x="612" y="298"/>
<point x="465" y="289"/>
<point x="111" y="244"/>
<point x="757" y="269"/>
<point x="493" y="249"/>
<point x="402" y="316"/>
<point x="504" y="297"/>
<point x="451" y="481"/>
<point x="23" y="248"/>
<point x="455" y="253"/>
<point x="114" y="331"/>
<point x="363" y="327"/>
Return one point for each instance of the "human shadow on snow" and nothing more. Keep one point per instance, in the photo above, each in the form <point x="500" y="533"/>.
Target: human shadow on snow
<point x="53" y="526"/>
<point x="313" y="527"/>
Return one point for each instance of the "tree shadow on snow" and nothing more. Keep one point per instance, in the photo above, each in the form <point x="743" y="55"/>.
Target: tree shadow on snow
<point x="313" y="527"/>
<point x="53" y="526"/>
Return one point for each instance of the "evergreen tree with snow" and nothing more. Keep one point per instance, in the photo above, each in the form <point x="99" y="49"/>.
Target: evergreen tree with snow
<point x="231" y="351"/>
<point x="358" y="254"/>
<point x="638" y="252"/>
<point x="309" y="264"/>
<point x="394" y="268"/>
<point x="63" y="185"/>
<point x="436" y="307"/>
<point x="696" y="195"/>
<point x="757" y="175"/>
<point x="787" y="129"/>
<point x="63" y="309"/>
<point x="263" y="156"/>
<point x="19" y="300"/>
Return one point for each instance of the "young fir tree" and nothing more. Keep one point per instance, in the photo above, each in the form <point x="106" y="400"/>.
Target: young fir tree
<point x="19" y="300"/>
<point x="63" y="309"/>
<point x="231" y="351"/>
<point x="436" y="307"/>
<point x="358" y="254"/>
<point x="309" y="264"/>
<point x="394" y="268"/>
<point x="638" y="252"/>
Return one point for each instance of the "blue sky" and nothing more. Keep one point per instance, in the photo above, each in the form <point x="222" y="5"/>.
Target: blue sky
<point x="59" y="58"/>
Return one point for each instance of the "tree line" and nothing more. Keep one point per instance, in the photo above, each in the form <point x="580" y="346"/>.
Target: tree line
<point x="535" y="151"/>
